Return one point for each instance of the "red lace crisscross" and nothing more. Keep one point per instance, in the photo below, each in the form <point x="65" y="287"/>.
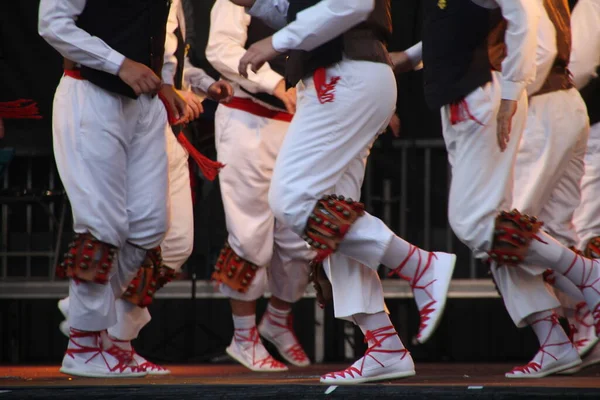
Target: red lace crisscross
<point x="122" y="356"/>
<point x="580" y="316"/>
<point x="146" y="365"/>
<point x="376" y="338"/>
<point x="588" y="282"/>
<point x="296" y="351"/>
<point x="254" y="338"/>
<point x="150" y="366"/>
<point x="428" y="308"/>
<point x="553" y="319"/>
<point x="577" y="343"/>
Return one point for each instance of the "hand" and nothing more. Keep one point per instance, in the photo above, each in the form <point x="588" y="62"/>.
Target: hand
<point x="243" y="3"/>
<point x="1" y="128"/>
<point x="176" y="105"/>
<point x="401" y="62"/>
<point x="507" y="110"/>
<point x="194" y="104"/>
<point x="139" y="77"/>
<point x="221" y="91"/>
<point x="395" y="125"/>
<point x="258" y="54"/>
<point x="288" y="97"/>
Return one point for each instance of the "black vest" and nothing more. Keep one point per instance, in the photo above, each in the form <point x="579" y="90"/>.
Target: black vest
<point x="134" y="28"/>
<point x="462" y="44"/>
<point x="258" y="30"/>
<point x="591" y="96"/>
<point x="366" y="41"/>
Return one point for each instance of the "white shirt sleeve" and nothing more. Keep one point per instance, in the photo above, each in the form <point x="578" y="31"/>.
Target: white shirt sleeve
<point x="546" y="49"/>
<point x="170" y="62"/>
<point x="415" y="55"/>
<point x="57" y="26"/>
<point x="518" y="68"/>
<point x="320" y="23"/>
<point x="196" y="79"/>
<point x="585" y="50"/>
<point x="271" y="12"/>
<point x="227" y="37"/>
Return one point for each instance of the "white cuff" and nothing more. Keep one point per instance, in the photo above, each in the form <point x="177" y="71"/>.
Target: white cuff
<point x="268" y="80"/>
<point x="281" y="41"/>
<point x="113" y="62"/>
<point x="512" y="90"/>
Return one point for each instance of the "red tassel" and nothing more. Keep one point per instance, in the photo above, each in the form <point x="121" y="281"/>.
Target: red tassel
<point x="210" y="169"/>
<point x="19" y="109"/>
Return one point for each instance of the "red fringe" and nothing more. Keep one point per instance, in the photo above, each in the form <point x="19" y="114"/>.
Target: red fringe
<point x="19" y="109"/>
<point x="210" y="169"/>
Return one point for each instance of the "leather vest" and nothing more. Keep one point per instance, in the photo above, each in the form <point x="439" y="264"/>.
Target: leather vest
<point x="366" y="42"/>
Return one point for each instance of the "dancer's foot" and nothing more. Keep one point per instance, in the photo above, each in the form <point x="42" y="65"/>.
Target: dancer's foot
<point x="92" y="355"/>
<point x="276" y="327"/>
<point x="247" y="349"/>
<point x="379" y="362"/>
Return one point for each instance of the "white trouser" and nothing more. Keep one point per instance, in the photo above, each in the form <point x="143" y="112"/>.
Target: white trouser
<point x="248" y="146"/>
<point x="325" y="152"/>
<point x="548" y="173"/>
<point x="586" y="219"/>
<point x="177" y="244"/>
<point x="110" y="153"/>
<point x="482" y="175"/>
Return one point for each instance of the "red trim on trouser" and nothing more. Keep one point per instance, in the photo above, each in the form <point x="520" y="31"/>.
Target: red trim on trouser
<point x="254" y="108"/>
<point x="459" y="112"/>
<point x="325" y="90"/>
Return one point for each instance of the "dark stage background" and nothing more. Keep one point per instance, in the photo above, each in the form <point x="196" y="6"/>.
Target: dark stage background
<point x="199" y="330"/>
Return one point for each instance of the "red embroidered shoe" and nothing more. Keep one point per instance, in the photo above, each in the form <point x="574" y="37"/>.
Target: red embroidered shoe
<point x="85" y="356"/>
<point x="282" y="336"/>
<point x="247" y="349"/>
<point x="553" y="357"/>
<point x="430" y="284"/>
<point x="141" y="362"/>
<point x="377" y="364"/>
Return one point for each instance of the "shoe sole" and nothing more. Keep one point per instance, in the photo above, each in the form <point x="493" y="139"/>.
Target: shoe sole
<point x="388" y="376"/>
<point x="84" y="374"/>
<point x="442" y="304"/>
<point x="159" y="373"/>
<point x="251" y="368"/>
<point x="281" y="353"/>
<point x="551" y="371"/>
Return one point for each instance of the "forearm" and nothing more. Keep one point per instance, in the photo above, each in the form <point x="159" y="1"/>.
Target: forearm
<point x="519" y="68"/>
<point x="320" y="23"/>
<point x="271" y="12"/>
<point x="196" y="79"/>
<point x="57" y="26"/>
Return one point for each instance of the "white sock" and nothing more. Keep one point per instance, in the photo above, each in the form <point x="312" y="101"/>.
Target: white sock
<point x="375" y="322"/>
<point x="244" y="322"/>
<point x="583" y="272"/>
<point x="553" y="340"/>
<point x="276" y="322"/>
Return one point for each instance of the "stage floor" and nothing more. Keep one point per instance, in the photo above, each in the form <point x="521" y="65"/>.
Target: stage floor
<point x="433" y="381"/>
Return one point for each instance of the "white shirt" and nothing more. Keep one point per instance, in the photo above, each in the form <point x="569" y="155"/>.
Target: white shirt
<point x="585" y="50"/>
<point x="313" y="26"/>
<point x="227" y="37"/>
<point x="194" y="78"/>
<point x="519" y="65"/>
<point x="546" y="49"/>
<point x="56" y="25"/>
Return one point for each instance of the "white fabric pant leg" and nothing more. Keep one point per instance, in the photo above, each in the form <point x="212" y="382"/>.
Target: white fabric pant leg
<point x="288" y="272"/>
<point x="177" y="244"/>
<point x="91" y="160"/>
<point x="356" y="288"/>
<point x="548" y="171"/>
<point x="248" y="146"/>
<point x="586" y="220"/>
<point x="322" y="141"/>
<point x="111" y="156"/>
<point x="482" y="175"/>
